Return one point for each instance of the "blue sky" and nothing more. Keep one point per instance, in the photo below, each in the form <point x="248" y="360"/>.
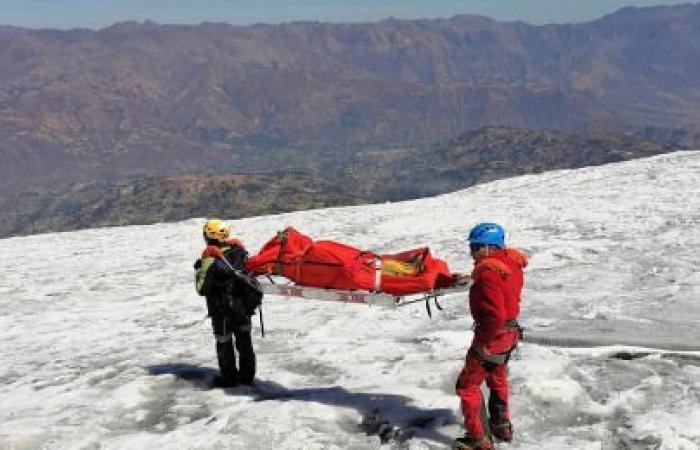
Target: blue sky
<point x="100" y="13"/>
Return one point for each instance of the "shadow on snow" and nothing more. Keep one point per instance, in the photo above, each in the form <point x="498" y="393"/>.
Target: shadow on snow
<point x="391" y="417"/>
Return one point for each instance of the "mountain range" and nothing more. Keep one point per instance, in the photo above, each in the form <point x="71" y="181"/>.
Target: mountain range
<point x="140" y="101"/>
<point x="142" y="98"/>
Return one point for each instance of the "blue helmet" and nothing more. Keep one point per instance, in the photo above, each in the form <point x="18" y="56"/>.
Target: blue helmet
<point x="489" y="234"/>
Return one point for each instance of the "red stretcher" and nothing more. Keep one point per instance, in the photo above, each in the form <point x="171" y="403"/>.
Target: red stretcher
<point x="329" y="270"/>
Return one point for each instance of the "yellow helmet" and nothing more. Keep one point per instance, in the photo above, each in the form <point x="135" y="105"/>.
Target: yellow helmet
<point x="215" y="230"/>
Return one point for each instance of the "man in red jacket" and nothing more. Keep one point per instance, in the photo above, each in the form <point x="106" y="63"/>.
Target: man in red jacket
<point x="494" y="301"/>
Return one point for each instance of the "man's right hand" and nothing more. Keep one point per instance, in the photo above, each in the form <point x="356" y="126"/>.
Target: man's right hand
<point x="459" y="279"/>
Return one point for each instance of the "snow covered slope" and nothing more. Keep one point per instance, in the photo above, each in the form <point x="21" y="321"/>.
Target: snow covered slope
<point x="104" y="343"/>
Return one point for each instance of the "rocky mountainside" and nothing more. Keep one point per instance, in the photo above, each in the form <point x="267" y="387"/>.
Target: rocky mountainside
<point x="369" y="176"/>
<point x="140" y="99"/>
<point x="496" y="152"/>
<point x="162" y="199"/>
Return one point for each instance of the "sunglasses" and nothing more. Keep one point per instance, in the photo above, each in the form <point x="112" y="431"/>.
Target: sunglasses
<point x="476" y="247"/>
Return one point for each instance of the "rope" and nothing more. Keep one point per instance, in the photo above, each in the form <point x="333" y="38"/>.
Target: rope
<point x="579" y="342"/>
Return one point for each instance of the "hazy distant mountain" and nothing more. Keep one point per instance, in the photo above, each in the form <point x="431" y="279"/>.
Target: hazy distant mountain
<point x="145" y="99"/>
<point x="367" y="176"/>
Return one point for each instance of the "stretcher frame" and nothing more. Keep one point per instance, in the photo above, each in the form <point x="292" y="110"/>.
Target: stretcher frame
<point x="283" y="287"/>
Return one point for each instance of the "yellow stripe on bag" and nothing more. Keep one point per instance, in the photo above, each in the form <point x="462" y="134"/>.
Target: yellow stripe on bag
<point x="396" y="267"/>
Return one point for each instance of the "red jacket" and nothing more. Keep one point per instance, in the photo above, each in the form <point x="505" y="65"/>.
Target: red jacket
<point x="494" y="298"/>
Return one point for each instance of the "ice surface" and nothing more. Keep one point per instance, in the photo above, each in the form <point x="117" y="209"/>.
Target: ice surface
<point x="104" y="342"/>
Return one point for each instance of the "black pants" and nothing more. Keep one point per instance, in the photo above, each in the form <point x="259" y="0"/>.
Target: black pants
<point x="229" y="332"/>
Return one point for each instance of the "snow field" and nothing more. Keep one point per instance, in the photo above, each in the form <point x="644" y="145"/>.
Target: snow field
<point x="105" y="343"/>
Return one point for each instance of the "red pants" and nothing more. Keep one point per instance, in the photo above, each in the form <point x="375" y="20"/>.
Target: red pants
<point x="469" y="391"/>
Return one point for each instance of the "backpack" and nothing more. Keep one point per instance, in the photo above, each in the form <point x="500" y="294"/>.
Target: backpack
<point x="247" y="291"/>
<point x="244" y="289"/>
<point x="238" y="293"/>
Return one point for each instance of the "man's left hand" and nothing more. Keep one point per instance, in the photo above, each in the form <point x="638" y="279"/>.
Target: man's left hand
<point x="482" y="352"/>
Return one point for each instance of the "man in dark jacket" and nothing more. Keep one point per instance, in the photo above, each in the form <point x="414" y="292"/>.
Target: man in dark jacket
<point x="229" y="303"/>
<point x="494" y="302"/>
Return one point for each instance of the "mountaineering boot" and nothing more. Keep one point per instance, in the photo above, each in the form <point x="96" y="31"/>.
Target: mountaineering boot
<point x="226" y="357"/>
<point x="473" y="443"/>
<point x="502" y="431"/>
<point x="501" y="427"/>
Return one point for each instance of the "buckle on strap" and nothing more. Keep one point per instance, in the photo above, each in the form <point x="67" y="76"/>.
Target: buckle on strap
<point x="223" y="338"/>
<point x="496" y="359"/>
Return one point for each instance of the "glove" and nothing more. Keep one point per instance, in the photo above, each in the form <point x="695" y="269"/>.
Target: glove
<point x="213" y="252"/>
<point x="481" y="352"/>
<point x="459" y="279"/>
